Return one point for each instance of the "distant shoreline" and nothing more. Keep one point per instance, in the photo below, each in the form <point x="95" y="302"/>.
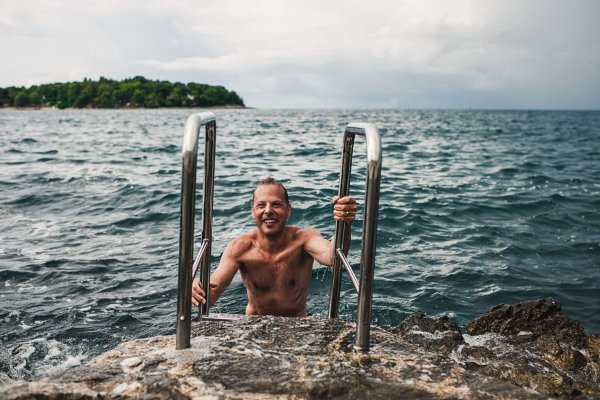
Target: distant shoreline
<point x="42" y="108"/>
<point x="136" y="92"/>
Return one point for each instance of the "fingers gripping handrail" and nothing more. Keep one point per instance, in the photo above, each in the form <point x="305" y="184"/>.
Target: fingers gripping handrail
<point x="189" y="156"/>
<point x="369" y="241"/>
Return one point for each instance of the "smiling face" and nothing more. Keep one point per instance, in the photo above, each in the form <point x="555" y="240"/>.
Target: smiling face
<point x="270" y="209"/>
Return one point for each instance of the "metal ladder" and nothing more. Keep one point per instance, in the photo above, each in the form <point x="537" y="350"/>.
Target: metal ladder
<point x="188" y="267"/>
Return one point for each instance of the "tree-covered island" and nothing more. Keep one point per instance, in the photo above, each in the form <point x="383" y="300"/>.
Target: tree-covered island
<point x="134" y="92"/>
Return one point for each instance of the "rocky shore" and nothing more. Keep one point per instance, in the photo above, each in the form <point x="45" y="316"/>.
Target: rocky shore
<point x="528" y="350"/>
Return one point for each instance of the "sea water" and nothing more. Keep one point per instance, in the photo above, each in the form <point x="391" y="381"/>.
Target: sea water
<point x="477" y="208"/>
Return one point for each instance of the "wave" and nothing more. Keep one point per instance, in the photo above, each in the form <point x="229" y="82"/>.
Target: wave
<point x="477" y="208"/>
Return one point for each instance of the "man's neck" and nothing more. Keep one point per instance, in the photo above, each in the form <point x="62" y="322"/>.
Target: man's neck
<point x="273" y="243"/>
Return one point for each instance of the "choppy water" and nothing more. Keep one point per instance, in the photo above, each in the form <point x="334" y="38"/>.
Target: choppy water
<point x="477" y="208"/>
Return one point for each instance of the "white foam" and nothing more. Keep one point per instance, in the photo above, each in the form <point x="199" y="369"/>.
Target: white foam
<point x="22" y="355"/>
<point x="437" y="335"/>
<point x="484" y="340"/>
<point x="29" y="287"/>
<point x="53" y="351"/>
<point x="524" y="333"/>
<point x="69" y="362"/>
<point x="42" y="357"/>
<point x="58" y="359"/>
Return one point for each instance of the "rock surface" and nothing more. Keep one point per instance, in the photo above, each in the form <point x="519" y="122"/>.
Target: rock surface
<point x="527" y="350"/>
<point x="533" y="344"/>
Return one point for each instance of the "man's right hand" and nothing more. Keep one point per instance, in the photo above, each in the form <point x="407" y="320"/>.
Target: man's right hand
<point x="198" y="295"/>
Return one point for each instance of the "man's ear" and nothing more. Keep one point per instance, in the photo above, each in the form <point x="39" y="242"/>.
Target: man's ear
<point x="289" y="210"/>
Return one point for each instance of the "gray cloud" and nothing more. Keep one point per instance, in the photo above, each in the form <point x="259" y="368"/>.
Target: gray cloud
<point x="476" y="54"/>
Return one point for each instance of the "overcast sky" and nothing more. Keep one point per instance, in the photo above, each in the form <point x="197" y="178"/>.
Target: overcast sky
<point x="278" y="53"/>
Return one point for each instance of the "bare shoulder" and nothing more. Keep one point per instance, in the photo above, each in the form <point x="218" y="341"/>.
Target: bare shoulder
<point x="305" y="234"/>
<point x="241" y="244"/>
<point x="316" y="245"/>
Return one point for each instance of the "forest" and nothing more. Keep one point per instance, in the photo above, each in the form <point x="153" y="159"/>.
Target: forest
<point x="137" y="92"/>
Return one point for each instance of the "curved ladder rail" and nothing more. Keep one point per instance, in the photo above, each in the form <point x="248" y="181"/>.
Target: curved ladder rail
<point x="369" y="241"/>
<point x="189" y="155"/>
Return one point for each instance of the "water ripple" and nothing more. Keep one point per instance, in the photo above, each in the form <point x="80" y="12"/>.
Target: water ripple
<point x="477" y="208"/>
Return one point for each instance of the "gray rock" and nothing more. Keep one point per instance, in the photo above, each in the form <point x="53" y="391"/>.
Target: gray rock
<point x="435" y="334"/>
<point x="277" y="358"/>
<point x="534" y="345"/>
<point x="536" y="318"/>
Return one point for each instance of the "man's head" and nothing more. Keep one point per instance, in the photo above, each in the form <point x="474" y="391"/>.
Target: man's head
<point x="270" y="207"/>
<point x="272" y="181"/>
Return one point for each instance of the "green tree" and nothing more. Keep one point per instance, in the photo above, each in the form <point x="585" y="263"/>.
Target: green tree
<point x="35" y="99"/>
<point x="85" y="98"/>
<point x="107" y="93"/>
<point x="21" y="100"/>
<point x="151" y="101"/>
<point x="138" y="98"/>
<point x="177" y="97"/>
<point x="104" y="97"/>
<point x="73" y="92"/>
<point x="4" y="97"/>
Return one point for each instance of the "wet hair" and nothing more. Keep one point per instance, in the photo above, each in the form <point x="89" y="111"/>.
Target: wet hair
<point x="272" y="181"/>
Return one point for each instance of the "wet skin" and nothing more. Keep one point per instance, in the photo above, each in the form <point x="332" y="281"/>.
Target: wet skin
<point x="275" y="260"/>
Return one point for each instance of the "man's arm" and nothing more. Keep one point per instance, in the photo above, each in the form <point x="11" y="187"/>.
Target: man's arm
<point x="323" y="250"/>
<point x="221" y="278"/>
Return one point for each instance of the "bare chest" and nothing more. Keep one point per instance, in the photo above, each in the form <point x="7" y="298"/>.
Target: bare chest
<point x="265" y="272"/>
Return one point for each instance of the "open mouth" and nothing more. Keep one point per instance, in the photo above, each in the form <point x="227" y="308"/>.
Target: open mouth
<point x="269" y="221"/>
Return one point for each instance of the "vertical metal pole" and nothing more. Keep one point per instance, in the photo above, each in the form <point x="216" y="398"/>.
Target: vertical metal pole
<point x="344" y="188"/>
<point x="186" y="251"/>
<point x="365" y="296"/>
<point x="369" y="242"/>
<point x="187" y="216"/>
<point x="207" y="210"/>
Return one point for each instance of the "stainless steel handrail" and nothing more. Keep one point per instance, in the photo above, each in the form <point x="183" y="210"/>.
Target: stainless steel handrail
<point x="349" y="270"/>
<point x="186" y="236"/>
<point x="344" y="189"/>
<point x="199" y="257"/>
<point x="369" y="241"/>
<point x="189" y="156"/>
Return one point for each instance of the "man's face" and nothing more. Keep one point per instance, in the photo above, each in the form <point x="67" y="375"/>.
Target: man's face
<point x="270" y="210"/>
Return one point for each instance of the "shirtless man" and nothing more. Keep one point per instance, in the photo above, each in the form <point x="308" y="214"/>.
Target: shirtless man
<point x="275" y="260"/>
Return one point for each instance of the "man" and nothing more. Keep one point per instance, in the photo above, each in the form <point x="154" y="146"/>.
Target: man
<point x="275" y="260"/>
